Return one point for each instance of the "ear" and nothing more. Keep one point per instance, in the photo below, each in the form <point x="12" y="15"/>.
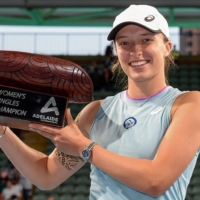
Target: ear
<point x="168" y="46"/>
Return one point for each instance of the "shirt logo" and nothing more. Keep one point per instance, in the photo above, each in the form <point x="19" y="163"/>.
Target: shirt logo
<point x="149" y="18"/>
<point x="157" y="110"/>
<point x="130" y="122"/>
<point x="47" y="109"/>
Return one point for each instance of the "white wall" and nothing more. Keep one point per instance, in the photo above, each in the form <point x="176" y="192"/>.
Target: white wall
<point x="61" y="40"/>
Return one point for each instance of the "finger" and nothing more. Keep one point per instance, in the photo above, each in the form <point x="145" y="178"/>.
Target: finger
<point x="38" y="127"/>
<point x="68" y="116"/>
<point x="45" y="134"/>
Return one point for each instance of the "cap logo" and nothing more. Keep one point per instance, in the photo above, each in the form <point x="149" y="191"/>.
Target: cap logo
<point x="149" y="18"/>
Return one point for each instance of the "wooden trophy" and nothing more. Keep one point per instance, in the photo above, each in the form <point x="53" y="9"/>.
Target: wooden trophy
<point x="37" y="88"/>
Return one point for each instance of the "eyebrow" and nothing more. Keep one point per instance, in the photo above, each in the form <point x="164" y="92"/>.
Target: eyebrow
<point x="121" y="37"/>
<point x="151" y="34"/>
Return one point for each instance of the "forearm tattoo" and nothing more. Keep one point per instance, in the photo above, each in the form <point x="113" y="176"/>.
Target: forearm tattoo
<point x="66" y="160"/>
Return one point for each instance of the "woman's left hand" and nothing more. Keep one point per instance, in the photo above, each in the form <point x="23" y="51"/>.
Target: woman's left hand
<point x="69" y="139"/>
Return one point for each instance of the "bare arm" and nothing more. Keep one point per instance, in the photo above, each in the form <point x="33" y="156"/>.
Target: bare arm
<point x="46" y="172"/>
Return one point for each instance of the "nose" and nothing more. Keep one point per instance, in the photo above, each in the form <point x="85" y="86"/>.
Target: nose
<point x="136" y="50"/>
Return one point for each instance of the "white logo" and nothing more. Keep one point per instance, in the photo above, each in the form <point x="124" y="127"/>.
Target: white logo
<point x="156" y="110"/>
<point x="149" y="18"/>
<point x="46" y="107"/>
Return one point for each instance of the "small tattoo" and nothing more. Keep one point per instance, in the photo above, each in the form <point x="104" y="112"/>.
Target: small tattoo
<point x="67" y="160"/>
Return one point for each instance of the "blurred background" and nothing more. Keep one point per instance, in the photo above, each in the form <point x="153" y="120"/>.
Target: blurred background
<point x="77" y="31"/>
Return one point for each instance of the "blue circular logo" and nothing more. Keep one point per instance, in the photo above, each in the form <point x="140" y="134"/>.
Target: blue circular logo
<point x="130" y="122"/>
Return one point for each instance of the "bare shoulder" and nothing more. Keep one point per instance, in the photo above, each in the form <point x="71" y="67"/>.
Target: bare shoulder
<point x="187" y="101"/>
<point x="192" y="97"/>
<point x="86" y="117"/>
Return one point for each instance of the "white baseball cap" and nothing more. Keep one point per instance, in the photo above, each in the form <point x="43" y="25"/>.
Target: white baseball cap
<point x="142" y="15"/>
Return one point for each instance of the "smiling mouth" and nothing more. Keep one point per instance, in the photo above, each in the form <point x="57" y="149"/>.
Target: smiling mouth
<point x="138" y="63"/>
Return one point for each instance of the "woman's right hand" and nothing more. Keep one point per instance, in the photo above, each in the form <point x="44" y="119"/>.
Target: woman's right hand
<point x="69" y="139"/>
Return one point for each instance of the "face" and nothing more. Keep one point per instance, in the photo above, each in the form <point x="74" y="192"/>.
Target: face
<point x="50" y="198"/>
<point x="141" y="53"/>
<point x="9" y="184"/>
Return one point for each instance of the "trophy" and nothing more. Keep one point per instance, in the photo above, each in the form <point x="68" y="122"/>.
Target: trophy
<point x="37" y="88"/>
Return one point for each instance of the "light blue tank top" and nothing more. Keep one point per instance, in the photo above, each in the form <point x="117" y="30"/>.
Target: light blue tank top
<point x="121" y="126"/>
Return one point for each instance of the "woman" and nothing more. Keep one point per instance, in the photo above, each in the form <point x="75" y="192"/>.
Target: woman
<point x="142" y="143"/>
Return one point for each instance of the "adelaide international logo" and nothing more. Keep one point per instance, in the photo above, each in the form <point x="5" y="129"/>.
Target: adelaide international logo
<point x="47" y="107"/>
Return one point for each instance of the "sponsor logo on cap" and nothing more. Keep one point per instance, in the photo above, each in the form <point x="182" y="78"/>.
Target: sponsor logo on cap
<point x="149" y="18"/>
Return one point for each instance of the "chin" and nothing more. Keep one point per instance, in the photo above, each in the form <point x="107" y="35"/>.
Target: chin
<point x="138" y="79"/>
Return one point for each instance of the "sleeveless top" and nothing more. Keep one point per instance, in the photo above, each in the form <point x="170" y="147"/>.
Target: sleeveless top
<point x="122" y="127"/>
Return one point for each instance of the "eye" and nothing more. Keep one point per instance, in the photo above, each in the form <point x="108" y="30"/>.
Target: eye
<point x="124" y="43"/>
<point x="146" y="40"/>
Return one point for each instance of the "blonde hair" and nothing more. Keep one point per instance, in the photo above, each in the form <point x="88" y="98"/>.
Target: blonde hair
<point x="121" y="77"/>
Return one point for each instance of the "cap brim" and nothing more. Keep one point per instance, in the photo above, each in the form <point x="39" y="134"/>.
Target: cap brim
<point x="113" y="32"/>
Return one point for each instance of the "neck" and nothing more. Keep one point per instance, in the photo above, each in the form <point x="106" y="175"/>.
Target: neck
<point x="144" y="90"/>
<point x="147" y="97"/>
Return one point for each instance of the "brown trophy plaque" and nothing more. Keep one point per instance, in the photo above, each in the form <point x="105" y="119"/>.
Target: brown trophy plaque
<point x="37" y="88"/>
